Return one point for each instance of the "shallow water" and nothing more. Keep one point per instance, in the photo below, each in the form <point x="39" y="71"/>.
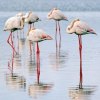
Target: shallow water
<point x="59" y="72"/>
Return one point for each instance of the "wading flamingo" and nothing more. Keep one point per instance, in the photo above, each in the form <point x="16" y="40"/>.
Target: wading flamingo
<point x="79" y="28"/>
<point x="57" y="15"/>
<point x="31" y="18"/>
<point x="13" y="24"/>
<point x="38" y="35"/>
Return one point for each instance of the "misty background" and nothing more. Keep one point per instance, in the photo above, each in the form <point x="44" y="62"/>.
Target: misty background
<point x="46" y="5"/>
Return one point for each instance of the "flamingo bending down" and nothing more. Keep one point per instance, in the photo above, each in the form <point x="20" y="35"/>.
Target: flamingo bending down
<point x="13" y="24"/>
<point x="57" y="15"/>
<point x="79" y="28"/>
<point x="38" y="35"/>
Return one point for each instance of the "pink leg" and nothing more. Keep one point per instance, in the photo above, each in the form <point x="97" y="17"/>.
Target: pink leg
<point x="38" y="63"/>
<point x="80" y="50"/>
<point x="60" y="36"/>
<point x="8" y="40"/>
<point x="56" y="37"/>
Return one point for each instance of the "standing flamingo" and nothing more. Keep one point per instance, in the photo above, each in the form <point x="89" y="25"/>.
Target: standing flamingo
<point x="31" y="18"/>
<point x="38" y="35"/>
<point x="79" y="28"/>
<point x="13" y="24"/>
<point x="57" y="15"/>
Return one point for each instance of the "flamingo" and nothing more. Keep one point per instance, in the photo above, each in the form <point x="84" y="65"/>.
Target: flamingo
<point x="13" y="24"/>
<point x="57" y="15"/>
<point x="31" y="18"/>
<point x="80" y="28"/>
<point x="38" y="35"/>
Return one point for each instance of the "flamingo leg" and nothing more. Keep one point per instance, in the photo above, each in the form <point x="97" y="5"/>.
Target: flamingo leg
<point x="56" y="37"/>
<point x="38" y="63"/>
<point x="80" y="52"/>
<point x="8" y="40"/>
<point x="18" y="41"/>
<point x="12" y="39"/>
<point x="59" y="35"/>
<point x="30" y="47"/>
<point x="34" y="51"/>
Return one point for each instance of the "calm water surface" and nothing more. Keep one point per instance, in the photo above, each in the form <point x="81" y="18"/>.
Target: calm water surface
<point x="59" y="72"/>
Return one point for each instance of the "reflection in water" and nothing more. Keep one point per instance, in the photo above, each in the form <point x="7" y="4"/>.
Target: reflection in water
<point x="81" y="94"/>
<point x="37" y="90"/>
<point x="15" y="82"/>
<point x="58" y="61"/>
<point x="17" y="61"/>
<point x="31" y="64"/>
<point x="14" y="63"/>
<point x="21" y="44"/>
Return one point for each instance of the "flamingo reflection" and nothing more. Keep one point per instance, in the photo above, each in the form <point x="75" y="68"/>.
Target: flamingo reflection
<point x="15" y="81"/>
<point x="81" y="94"/>
<point x="79" y="28"/>
<point x="58" y="62"/>
<point x="36" y="90"/>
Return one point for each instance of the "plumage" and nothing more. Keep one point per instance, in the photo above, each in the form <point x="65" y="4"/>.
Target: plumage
<point x="14" y="23"/>
<point x="31" y="17"/>
<point x="79" y="27"/>
<point x="37" y="35"/>
<point x="56" y="14"/>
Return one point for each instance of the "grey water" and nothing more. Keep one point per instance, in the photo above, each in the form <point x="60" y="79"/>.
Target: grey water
<point x="59" y="74"/>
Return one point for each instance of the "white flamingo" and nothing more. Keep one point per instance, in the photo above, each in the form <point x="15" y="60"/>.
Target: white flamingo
<point x="38" y="35"/>
<point x="57" y="15"/>
<point x="13" y="24"/>
<point x="79" y="28"/>
<point x="31" y="18"/>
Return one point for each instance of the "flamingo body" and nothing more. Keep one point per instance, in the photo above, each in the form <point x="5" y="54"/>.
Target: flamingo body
<point x="79" y="27"/>
<point x="14" y="23"/>
<point x="31" y="18"/>
<point x="38" y="35"/>
<point x="56" y="14"/>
